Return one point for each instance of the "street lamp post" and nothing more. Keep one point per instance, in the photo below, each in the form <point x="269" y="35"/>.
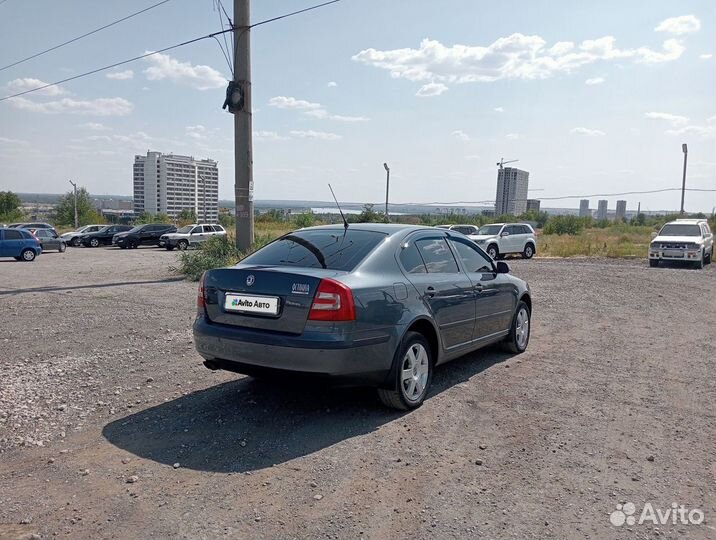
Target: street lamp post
<point x="683" y="181"/>
<point x="387" y="190"/>
<point x="74" y="186"/>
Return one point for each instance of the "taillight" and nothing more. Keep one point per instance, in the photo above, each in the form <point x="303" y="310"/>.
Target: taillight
<point x="200" y="297"/>
<point x="333" y="302"/>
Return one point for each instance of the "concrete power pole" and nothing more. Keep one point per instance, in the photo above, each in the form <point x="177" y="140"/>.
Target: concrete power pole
<point x="685" y="149"/>
<point x="243" y="160"/>
<point x="74" y="186"/>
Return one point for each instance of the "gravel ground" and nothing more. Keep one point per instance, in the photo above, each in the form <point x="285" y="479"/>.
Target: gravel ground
<point x="110" y="427"/>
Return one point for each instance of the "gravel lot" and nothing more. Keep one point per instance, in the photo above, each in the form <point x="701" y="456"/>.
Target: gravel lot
<point x="110" y="427"/>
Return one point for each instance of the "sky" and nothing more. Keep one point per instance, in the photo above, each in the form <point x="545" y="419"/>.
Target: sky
<point x="590" y="97"/>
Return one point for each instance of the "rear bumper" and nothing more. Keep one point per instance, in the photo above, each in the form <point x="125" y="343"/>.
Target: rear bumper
<point x="248" y="351"/>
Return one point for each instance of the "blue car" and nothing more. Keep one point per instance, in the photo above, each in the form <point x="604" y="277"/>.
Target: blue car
<point x="20" y="244"/>
<point x="368" y="304"/>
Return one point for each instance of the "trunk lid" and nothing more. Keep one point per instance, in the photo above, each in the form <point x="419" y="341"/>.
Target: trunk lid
<point x="294" y="288"/>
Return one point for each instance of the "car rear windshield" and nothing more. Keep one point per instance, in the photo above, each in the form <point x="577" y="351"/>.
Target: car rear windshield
<point x="490" y="229"/>
<point x="680" y="229"/>
<point x="333" y="249"/>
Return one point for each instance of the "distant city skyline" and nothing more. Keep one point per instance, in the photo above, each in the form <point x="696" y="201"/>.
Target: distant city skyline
<point x="590" y="98"/>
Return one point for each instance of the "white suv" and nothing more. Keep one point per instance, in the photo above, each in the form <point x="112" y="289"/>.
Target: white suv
<point x="688" y="240"/>
<point x="190" y="235"/>
<point x="499" y="239"/>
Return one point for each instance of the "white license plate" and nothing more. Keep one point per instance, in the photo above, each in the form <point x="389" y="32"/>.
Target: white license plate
<point x="246" y="303"/>
<point x="673" y="253"/>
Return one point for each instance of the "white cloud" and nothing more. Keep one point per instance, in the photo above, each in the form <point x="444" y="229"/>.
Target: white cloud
<point x="200" y="77"/>
<point x="268" y="136"/>
<point x="594" y="81"/>
<point x="685" y="24"/>
<point x="706" y="56"/>
<point x="513" y="57"/>
<point x="121" y="75"/>
<point x="431" y="89"/>
<point x="513" y="136"/>
<point x="461" y="135"/>
<point x="94" y="126"/>
<point x="197" y="132"/>
<point x="19" y="142"/>
<point x="499" y="109"/>
<point x="673" y="119"/>
<point x="310" y="134"/>
<point x="98" y="107"/>
<point x="21" y="85"/>
<point x="332" y="84"/>
<point x="311" y="109"/>
<point x="588" y="132"/>
<point x="284" y="102"/>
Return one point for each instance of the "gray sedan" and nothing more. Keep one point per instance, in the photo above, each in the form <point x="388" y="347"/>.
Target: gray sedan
<point x="370" y="304"/>
<point x="50" y="240"/>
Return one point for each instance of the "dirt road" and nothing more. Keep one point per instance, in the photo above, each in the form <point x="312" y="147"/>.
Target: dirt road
<point x="110" y="427"/>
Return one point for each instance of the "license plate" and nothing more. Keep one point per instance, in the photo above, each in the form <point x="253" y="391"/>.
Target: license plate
<point x="246" y="303"/>
<point x="673" y="253"/>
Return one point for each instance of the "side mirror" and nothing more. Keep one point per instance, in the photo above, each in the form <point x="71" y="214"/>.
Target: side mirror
<point x="503" y="267"/>
<point x="505" y="233"/>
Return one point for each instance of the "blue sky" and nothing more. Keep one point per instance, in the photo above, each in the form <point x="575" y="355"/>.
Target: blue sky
<point x="590" y="97"/>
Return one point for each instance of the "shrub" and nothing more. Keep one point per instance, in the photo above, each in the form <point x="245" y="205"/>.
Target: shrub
<point x="216" y="252"/>
<point x="306" y="219"/>
<point x="571" y="225"/>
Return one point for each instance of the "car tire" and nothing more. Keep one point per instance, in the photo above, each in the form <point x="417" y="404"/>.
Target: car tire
<point x="62" y="247"/>
<point x="75" y="242"/>
<point x="700" y="263"/>
<point x="653" y="263"/>
<point x="94" y="242"/>
<point x="519" y="337"/>
<point x="710" y="257"/>
<point x="412" y="374"/>
<point x="529" y="251"/>
<point x="493" y="251"/>
<point x="28" y="255"/>
<point x="182" y="244"/>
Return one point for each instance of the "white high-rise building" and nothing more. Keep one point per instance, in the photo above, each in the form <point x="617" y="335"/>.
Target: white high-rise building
<point x="512" y="187"/>
<point x="168" y="183"/>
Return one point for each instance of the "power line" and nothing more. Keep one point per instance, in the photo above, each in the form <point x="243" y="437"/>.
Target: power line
<point x="83" y="35"/>
<point x="182" y="44"/>
<point x="562" y="197"/>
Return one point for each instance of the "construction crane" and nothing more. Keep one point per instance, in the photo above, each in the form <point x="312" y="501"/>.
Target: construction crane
<point x="503" y="162"/>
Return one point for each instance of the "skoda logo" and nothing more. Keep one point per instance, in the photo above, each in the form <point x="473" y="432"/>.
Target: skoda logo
<point x="250" y="280"/>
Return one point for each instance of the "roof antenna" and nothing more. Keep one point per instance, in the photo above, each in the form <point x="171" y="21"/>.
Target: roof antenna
<point x="345" y="223"/>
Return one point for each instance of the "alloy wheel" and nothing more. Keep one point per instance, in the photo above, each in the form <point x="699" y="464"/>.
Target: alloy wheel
<point x="522" y="328"/>
<point x="414" y="372"/>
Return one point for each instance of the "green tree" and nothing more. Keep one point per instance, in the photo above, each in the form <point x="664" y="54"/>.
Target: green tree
<point x="368" y="215"/>
<point x="86" y="212"/>
<point x="187" y="216"/>
<point x="148" y="217"/>
<point x="305" y="219"/>
<point x="10" y="207"/>
<point x="227" y="220"/>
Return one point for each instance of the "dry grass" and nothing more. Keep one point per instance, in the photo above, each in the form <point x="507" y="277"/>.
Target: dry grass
<point x="617" y="242"/>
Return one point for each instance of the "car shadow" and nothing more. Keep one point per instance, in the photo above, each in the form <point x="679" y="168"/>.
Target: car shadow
<point x="250" y="424"/>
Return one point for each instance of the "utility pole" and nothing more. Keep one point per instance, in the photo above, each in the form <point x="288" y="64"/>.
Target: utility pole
<point x="683" y="182"/>
<point x="204" y="219"/>
<point x="243" y="160"/>
<point x="387" y="190"/>
<point x="77" y="224"/>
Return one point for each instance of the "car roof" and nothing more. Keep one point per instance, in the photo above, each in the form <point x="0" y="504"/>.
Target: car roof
<point x="689" y="221"/>
<point x="385" y="228"/>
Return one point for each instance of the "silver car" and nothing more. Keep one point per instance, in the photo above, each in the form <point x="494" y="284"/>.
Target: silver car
<point x="190" y="235"/>
<point x="371" y="304"/>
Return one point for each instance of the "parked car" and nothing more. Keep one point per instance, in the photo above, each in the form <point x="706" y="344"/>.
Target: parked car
<point x="20" y="244"/>
<point x="74" y="238"/>
<point x="374" y="304"/>
<point x="190" y="235"/>
<point x="34" y="225"/>
<point x="103" y="237"/>
<point x="142" y="235"/>
<point x="499" y="239"/>
<point x="50" y="240"/>
<point x="467" y="230"/>
<point x="685" y="240"/>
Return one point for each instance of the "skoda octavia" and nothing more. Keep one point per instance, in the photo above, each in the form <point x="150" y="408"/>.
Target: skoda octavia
<point x="368" y="304"/>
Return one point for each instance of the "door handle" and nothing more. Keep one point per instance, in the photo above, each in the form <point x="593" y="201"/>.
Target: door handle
<point x="430" y="292"/>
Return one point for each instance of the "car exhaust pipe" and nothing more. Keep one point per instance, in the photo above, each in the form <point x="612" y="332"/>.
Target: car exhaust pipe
<point x="212" y="365"/>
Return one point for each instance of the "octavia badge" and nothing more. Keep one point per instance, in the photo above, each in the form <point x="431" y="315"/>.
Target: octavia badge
<point x="250" y="280"/>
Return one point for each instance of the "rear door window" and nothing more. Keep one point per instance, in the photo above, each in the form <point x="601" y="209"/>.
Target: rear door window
<point x="334" y="249"/>
<point x="437" y="256"/>
<point x="411" y="260"/>
<point x="13" y="235"/>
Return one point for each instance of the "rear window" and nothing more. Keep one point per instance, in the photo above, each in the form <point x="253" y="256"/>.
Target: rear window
<point x="328" y="248"/>
<point x="13" y="235"/>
